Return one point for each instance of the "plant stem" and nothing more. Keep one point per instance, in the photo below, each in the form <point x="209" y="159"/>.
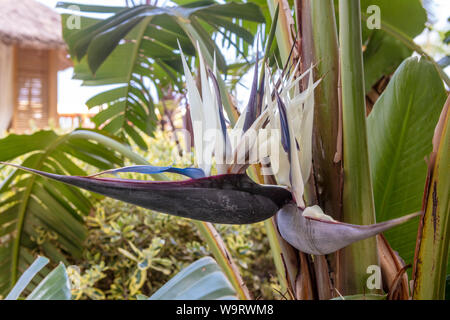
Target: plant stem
<point x="223" y="257"/>
<point x="319" y="46"/>
<point x="114" y="145"/>
<point x="277" y="246"/>
<point x="358" y="204"/>
<point x="327" y="169"/>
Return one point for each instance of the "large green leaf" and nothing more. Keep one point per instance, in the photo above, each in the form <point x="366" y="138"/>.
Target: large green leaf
<point x="138" y="48"/>
<point x="55" y="286"/>
<point x="202" y="280"/>
<point x="383" y="51"/>
<point x="400" y="131"/>
<point x="432" y="251"/>
<point x="38" y="214"/>
<point x="26" y="278"/>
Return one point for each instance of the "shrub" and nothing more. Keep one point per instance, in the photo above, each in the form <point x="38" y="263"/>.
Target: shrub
<point x="131" y="251"/>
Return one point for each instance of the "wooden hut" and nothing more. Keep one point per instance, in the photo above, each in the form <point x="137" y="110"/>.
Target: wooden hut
<point x="32" y="52"/>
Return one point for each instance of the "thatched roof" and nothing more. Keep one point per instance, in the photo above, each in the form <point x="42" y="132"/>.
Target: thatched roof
<point x="28" y="23"/>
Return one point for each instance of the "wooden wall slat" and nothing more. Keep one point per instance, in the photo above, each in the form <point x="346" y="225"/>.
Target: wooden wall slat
<point x="32" y="93"/>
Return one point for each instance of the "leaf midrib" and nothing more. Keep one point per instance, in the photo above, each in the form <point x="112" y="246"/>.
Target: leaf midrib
<point x="23" y="209"/>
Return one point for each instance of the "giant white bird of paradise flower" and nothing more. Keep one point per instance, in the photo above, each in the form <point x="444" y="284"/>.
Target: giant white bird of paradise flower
<point x="275" y="128"/>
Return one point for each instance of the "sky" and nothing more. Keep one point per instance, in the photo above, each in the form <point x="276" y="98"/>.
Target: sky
<point x="72" y="96"/>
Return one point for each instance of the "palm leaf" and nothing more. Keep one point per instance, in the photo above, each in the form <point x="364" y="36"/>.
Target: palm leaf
<point x="38" y="214"/>
<point x="136" y="50"/>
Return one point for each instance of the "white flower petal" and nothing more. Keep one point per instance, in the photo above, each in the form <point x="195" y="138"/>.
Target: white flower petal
<point x="196" y="111"/>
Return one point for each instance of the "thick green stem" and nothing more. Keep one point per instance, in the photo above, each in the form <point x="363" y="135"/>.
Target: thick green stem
<point x="223" y="257"/>
<point x="276" y="254"/>
<point x="275" y="242"/>
<point x="327" y="140"/>
<point x="434" y="232"/>
<point x="319" y="47"/>
<point x="358" y="204"/>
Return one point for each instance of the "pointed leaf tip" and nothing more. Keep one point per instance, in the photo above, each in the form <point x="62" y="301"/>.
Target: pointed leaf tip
<point x="285" y="136"/>
<point x="319" y="237"/>
<point x="251" y="112"/>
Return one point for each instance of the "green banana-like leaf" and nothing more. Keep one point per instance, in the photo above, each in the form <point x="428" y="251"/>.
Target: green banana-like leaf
<point x="39" y="214"/>
<point x="136" y="48"/>
<point x="27" y="277"/>
<point x="400" y="132"/>
<point x="55" y="286"/>
<point x="384" y="53"/>
<point x="433" y="238"/>
<point x="202" y="280"/>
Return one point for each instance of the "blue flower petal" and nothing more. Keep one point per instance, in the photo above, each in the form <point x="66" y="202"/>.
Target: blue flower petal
<point x="193" y="173"/>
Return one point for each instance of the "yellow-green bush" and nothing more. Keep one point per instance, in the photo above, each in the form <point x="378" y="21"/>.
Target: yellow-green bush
<point x="132" y="251"/>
